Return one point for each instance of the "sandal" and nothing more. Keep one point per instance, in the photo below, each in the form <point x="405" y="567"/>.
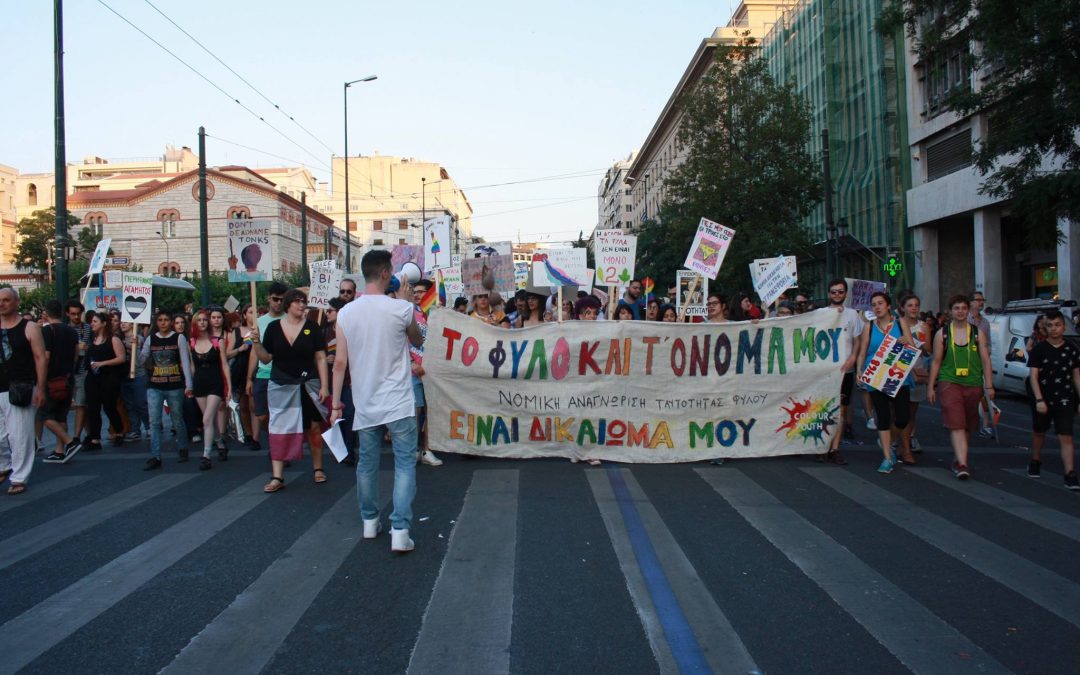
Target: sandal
<point x="274" y="485"/>
<point x="16" y="489"/>
<point x="205" y="464"/>
<point x="318" y="478"/>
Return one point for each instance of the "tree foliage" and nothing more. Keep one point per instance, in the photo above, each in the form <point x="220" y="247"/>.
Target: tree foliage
<point x="746" y="167"/>
<point x="1026" y="60"/>
<point x="36" y="235"/>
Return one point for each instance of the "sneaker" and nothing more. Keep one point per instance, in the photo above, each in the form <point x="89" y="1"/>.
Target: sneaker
<point x="372" y="528"/>
<point x="428" y="457"/>
<point x="871" y="424"/>
<point x="196" y="438"/>
<point x="54" y="458"/>
<point x="72" y="449"/>
<point x="400" y="542"/>
<point x="986" y="432"/>
<point x="182" y="455"/>
<point x="151" y="464"/>
<point x="886" y="465"/>
<point x="1071" y="483"/>
<point x="834" y="457"/>
<point x="1034" y="469"/>
<point x="960" y="470"/>
<point x="916" y="446"/>
<point x="132" y="436"/>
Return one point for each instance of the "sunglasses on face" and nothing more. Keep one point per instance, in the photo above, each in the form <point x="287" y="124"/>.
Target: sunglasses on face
<point x="274" y="298"/>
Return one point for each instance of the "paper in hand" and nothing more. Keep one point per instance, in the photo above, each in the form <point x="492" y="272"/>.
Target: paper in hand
<point x="335" y="441"/>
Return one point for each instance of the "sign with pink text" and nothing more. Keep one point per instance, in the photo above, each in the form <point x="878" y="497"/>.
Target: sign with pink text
<point x="634" y="391"/>
<point x="889" y="366"/>
<point x="709" y="248"/>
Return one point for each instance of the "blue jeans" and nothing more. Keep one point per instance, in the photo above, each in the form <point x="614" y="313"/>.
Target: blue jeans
<point x="403" y="440"/>
<point x="154" y="399"/>
<point x="134" y="395"/>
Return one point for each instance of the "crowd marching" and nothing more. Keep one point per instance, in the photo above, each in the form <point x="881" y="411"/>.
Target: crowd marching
<point x="286" y="370"/>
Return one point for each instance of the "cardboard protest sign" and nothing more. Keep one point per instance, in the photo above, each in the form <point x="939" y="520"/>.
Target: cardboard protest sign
<point x="436" y="244"/>
<point x="889" y="366"/>
<point x="860" y="292"/>
<point x="231" y="304"/>
<point x="615" y="258"/>
<point x="488" y="273"/>
<point x="114" y="278"/>
<point x="521" y="275"/>
<point x="102" y="300"/>
<point x="452" y="281"/>
<point x="138" y="290"/>
<point x="694" y="302"/>
<point x="771" y="284"/>
<point x="325" y="281"/>
<point x="249" y="245"/>
<point x="97" y="261"/>
<point x="561" y="267"/>
<point x="762" y="264"/>
<point x="709" y="248"/>
<point x="634" y="391"/>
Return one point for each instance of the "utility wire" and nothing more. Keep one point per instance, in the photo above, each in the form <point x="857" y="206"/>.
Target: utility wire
<point x="238" y="75"/>
<point x="209" y="81"/>
<point x="529" y="208"/>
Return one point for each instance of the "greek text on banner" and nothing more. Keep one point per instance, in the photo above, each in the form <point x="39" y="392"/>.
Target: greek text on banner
<point x="634" y="391"/>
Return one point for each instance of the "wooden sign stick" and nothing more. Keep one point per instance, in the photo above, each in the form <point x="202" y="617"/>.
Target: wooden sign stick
<point x="559" y="301"/>
<point x="689" y="294"/>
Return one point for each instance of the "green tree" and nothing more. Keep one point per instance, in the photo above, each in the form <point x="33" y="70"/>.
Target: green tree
<point x="1027" y="60"/>
<point x="36" y="235"/>
<point x="86" y="241"/>
<point x="746" y="167"/>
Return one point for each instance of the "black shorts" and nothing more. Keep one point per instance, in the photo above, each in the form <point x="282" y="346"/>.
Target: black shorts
<point x="847" y="385"/>
<point x="54" y="410"/>
<point x="1061" y="416"/>
<point x="892" y="411"/>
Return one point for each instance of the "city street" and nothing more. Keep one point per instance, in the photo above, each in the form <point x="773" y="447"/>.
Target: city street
<point x="769" y="565"/>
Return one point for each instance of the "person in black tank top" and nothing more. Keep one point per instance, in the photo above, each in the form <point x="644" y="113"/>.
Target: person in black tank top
<point x="104" y="375"/>
<point x="211" y="380"/>
<point x="22" y="389"/>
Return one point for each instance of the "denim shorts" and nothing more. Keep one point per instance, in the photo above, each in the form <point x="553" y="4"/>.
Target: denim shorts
<point x="418" y="392"/>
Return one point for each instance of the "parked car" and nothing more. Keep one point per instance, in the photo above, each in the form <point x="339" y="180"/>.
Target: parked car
<point x="1010" y="329"/>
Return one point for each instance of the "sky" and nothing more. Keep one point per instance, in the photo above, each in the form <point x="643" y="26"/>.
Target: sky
<point x="496" y="92"/>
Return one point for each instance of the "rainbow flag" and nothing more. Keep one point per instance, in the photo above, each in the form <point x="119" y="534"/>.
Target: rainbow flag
<point x="649" y="286"/>
<point x="428" y="299"/>
<point x="442" y="289"/>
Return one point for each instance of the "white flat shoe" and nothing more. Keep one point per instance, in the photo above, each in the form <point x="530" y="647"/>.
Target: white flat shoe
<point x="400" y="542"/>
<point x="372" y="528"/>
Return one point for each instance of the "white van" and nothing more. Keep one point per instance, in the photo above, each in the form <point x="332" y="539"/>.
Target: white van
<point x="1010" y="329"/>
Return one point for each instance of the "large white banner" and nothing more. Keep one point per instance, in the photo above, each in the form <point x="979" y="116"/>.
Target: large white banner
<point x="634" y="391"/>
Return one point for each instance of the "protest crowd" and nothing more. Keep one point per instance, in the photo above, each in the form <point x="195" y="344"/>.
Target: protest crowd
<point x="204" y="379"/>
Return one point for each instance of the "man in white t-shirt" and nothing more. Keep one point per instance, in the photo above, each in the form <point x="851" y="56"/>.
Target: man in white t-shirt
<point x="853" y="328"/>
<point x="380" y="329"/>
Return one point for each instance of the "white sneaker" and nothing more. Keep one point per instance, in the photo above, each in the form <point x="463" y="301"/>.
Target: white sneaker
<point x="372" y="528"/>
<point x="428" y="457"/>
<point x="400" y="542"/>
<point x="871" y="424"/>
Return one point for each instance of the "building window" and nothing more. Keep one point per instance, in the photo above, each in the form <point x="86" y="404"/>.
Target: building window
<point x="402" y="224"/>
<point x="945" y="73"/>
<point x="948" y="156"/>
<point x="401" y="241"/>
<point x="31" y="194"/>
<point x="168" y="219"/>
<point x="169" y="269"/>
<point x="239" y="213"/>
<point x="352" y="226"/>
<point x="377" y="242"/>
<point x="376" y="225"/>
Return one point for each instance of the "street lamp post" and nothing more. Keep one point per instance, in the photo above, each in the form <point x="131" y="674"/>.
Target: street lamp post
<point x="348" y="237"/>
<point x="168" y="263"/>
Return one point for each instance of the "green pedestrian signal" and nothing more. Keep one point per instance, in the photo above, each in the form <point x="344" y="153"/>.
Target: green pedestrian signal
<point x="893" y="267"/>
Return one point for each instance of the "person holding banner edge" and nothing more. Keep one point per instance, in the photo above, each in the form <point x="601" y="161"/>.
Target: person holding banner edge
<point x="891" y="412"/>
<point x="962" y="362"/>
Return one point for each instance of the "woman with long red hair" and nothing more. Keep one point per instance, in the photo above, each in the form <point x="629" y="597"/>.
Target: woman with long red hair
<point x="210" y="380"/>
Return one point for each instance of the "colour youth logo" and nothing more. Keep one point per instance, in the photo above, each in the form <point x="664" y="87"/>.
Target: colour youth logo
<point x="810" y="419"/>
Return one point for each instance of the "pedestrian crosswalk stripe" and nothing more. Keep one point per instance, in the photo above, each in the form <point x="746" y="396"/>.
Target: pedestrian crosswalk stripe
<point x="695" y="620"/>
<point x="47" y="488"/>
<point x="245" y="636"/>
<point x="47" y="623"/>
<point x="39" y="538"/>
<point x="1055" y="593"/>
<point x="1025" y="509"/>
<point x="468" y="621"/>
<point x="913" y="634"/>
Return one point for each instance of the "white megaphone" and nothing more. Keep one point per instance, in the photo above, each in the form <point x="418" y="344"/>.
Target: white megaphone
<point x="410" y="273"/>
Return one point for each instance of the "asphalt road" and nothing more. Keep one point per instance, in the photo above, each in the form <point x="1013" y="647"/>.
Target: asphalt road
<point x="776" y="566"/>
